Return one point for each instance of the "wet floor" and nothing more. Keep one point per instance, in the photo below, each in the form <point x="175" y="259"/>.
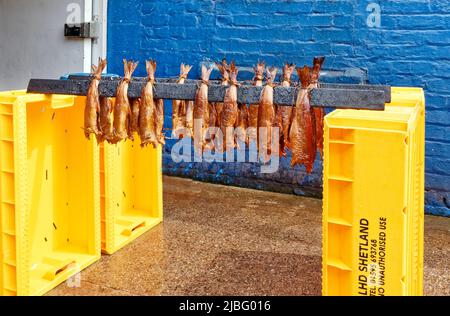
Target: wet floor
<point x="219" y="240"/>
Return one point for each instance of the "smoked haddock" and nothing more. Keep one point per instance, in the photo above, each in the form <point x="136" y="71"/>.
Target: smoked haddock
<point x="229" y="112"/>
<point x="106" y="119"/>
<point x="181" y="119"/>
<point x="266" y="116"/>
<point x="224" y="69"/>
<point x="252" y="133"/>
<point x="147" y="116"/>
<point x="284" y="112"/>
<point x="201" y="110"/>
<point x="92" y="108"/>
<point x="122" y="110"/>
<point x="215" y="109"/>
<point x="272" y="129"/>
<point x="302" y="132"/>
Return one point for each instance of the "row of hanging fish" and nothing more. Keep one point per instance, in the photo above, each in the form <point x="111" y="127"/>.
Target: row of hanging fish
<point x="300" y="128"/>
<point x="119" y="120"/>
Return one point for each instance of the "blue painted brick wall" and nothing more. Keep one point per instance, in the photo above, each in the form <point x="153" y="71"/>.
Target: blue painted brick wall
<point x="411" y="48"/>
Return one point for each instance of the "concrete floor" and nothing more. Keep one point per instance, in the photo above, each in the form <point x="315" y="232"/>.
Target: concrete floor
<point x="219" y="240"/>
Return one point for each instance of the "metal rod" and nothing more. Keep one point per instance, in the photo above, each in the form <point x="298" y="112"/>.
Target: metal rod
<point x="386" y="89"/>
<point x="325" y="96"/>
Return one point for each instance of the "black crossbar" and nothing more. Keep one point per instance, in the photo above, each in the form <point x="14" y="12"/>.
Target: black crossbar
<point x="386" y="89"/>
<point x="328" y="95"/>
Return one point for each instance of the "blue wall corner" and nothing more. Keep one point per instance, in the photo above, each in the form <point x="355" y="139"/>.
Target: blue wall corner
<point x="410" y="48"/>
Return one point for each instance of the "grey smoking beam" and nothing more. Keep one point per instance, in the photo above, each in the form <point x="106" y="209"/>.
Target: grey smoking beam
<point x="386" y="89"/>
<point x="371" y="97"/>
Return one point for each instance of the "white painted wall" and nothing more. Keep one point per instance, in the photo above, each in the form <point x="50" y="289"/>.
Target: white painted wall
<point x="100" y="12"/>
<point x="32" y="42"/>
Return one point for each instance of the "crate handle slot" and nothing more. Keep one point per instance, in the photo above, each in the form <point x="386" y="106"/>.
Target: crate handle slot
<point x="129" y="231"/>
<point x="54" y="273"/>
<point x="60" y="102"/>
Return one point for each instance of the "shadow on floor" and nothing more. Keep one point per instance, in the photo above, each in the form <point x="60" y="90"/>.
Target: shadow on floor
<point x="219" y="240"/>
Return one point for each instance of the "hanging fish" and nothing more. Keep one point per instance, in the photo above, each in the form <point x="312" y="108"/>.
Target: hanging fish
<point x="147" y="124"/>
<point x="201" y="109"/>
<point x="229" y="112"/>
<point x="301" y="132"/>
<point x="122" y="110"/>
<point x="225" y="72"/>
<point x="266" y="116"/>
<point x="92" y="108"/>
<point x="215" y="109"/>
<point x="253" y="108"/>
<point x="284" y="112"/>
<point x="106" y="119"/>
<point x="179" y="107"/>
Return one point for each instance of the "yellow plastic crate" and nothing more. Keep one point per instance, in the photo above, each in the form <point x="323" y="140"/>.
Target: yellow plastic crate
<point x="373" y="199"/>
<point x="131" y="192"/>
<point x="50" y="192"/>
